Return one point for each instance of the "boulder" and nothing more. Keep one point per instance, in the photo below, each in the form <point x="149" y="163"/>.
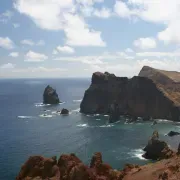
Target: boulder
<point x="50" y="96"/>
<point x="157" y="149"/>
<point x="173" y="133"/>
<point x="64" y="112"/>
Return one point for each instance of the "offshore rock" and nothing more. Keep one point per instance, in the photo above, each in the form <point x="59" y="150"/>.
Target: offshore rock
<point x="50" y="96"/>
<point x="173" y="133"/>
<point x="157" y="149"/>
<point x="64" y="112"/>
<point x="141" y="96"/>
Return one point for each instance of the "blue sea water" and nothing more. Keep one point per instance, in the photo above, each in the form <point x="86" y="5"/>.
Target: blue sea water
<point x="24" y="131"/>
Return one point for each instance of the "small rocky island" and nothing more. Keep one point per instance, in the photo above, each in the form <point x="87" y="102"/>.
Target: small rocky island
<point x="153" y="94"/>
<point x="50" y="96"/>
<point x="70" y="167"/>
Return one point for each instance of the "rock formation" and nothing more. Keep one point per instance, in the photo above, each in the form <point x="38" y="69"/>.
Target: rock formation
<point x="64" y="112"/>
<point x="157" y="149"/>
<point x="50" y="96"/>
<point x="70" y="167"/>
<point x="141" y="96"/>
<point x="114" y="112"/>
<point x="173" y="133"/>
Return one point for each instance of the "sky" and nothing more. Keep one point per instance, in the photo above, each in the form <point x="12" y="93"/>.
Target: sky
<point x="74" y="38"/>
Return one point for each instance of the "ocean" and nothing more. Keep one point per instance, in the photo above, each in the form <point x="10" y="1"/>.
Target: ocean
<point x="24" y="131"/>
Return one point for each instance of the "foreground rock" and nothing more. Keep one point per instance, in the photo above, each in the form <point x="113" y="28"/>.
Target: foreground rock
<point x="70" y="167"/>
<point x="141" y="96"/>
<point x="50" y="96"/>
<point x="173" y="133"/>
<point x="157" y="149"/>
<point x="64" y="112"/>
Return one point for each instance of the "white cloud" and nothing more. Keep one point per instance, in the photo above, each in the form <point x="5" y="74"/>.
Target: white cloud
<point x="78" y="33"/>
<point x="129" y="50"/>
<point x="148" y="9"/>
<point x="14" y="54"/>
<point x="7" y="66"/>
<point x="27" y="42"/>
<point x="16" y="25"/>
<point x="37" y="11"/>
<point x="171" y="33"/>
<point x="32" y="43"/>
<point x="145" y="43"/>
<point x="6" y="43"/>
<point x="65" y="49"/>
<point x="63" y="16"/>
<point x="158" y="54"/>
<point x="102" y="13"/>
<point x="122" y="10"/>
<point x="40" y="43"/>
<point x="89" y="2"/>
<point x="55" y="52"/>
<point x="6" y="16"/>
<point x="35" y="57"/>
<point x="97" y="59"/>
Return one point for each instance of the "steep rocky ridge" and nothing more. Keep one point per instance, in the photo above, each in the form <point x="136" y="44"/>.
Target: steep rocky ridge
<point x="151" y="94"/>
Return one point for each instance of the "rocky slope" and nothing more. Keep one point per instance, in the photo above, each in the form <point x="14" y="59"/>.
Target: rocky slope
<point x="70" y="167"/>
<point x="151" y="94"/>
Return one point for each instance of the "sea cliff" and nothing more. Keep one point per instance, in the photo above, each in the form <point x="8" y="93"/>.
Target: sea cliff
<point x="153" y="93"/>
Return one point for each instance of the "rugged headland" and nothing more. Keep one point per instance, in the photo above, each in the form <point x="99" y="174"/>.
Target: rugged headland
<point x="70" y="167"/>
<point x="153" y="93"/>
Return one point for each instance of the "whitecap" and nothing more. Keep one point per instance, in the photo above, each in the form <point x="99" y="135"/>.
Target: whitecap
<point x="89" y="115"/>
<point x="137" y="153"/>
<point x="45" y="116"/>
<point x="77" y="100"/>
<point x="164" y="121"/>
<point x="62" y="102"/>
<point x="82" y="125"/>
<point x="41" y="104"/>
<point x="76" y="110"/>
<point x="98" y="119"/>
<point x="106" y="126"/>
<point x="25" y="117"/>
<point x="106" y="115"/>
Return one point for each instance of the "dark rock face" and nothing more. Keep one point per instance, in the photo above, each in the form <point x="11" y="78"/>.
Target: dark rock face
<point x="64" y="111"/>
<point x="137" y="97"/>
<point x="173" y="133"/>
<point x="157" y="149"/>
<point x="114" y="113"/>
<point x="50" y="96"/>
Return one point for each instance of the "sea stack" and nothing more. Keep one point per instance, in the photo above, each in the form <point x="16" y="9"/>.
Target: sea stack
<point x="50" y="96"/>
<point x="153" y="93"/>
<point x="157" y="149"/>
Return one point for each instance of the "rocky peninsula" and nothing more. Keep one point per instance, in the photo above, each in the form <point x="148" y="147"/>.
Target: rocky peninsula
<point x="152" y="94"/>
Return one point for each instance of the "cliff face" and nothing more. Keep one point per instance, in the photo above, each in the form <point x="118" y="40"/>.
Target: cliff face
<point x="140" y="96"/>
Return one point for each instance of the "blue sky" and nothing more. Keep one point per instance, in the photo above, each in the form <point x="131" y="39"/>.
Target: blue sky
<point x="74" y="38"/>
